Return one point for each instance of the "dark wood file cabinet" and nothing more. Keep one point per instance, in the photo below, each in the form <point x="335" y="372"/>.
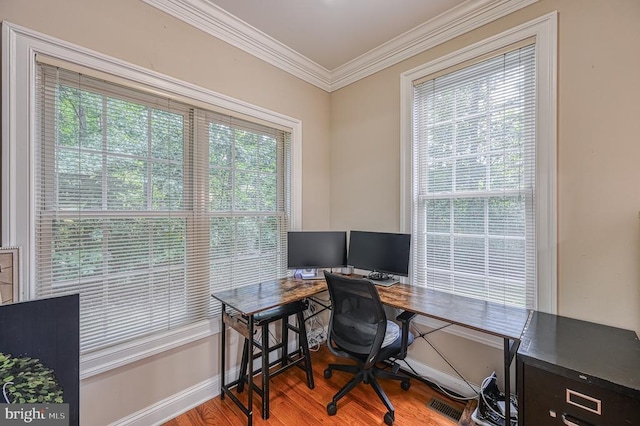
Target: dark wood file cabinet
<point x="577" y="373"/>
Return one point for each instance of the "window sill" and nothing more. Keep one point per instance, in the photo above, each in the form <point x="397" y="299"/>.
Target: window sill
<point x="107" y="359"/>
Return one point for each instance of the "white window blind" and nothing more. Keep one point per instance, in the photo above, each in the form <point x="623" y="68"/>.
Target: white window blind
<point x="145" y="205"/>
<point x="474" y="180"/>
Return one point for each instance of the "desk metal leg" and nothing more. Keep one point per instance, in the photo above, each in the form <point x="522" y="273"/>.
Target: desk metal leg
<point x="507" y="382"/>
<point x="223" y="347"/>
<point x="250" y="376"/>
<point x="265" y="371"/>
<point x="510" y="349"/>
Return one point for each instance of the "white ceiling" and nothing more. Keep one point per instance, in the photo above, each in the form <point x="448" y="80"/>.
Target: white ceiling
<point x="334" y="32"/>
<point x="333" y="43"/>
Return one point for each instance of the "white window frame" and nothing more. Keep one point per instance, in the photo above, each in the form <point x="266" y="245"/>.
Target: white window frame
<point x="544" y="30"/>
<point x="19" y="49"/>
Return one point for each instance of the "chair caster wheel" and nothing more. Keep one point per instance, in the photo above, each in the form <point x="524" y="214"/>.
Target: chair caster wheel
<point x="327" y="373"/>
<point x="332" y="409"/>
<point x="388" y="419"/>
<point x="405" y="385"/>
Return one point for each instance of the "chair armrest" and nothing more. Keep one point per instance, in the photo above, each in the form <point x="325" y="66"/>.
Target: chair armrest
<point x="405" y="319"/>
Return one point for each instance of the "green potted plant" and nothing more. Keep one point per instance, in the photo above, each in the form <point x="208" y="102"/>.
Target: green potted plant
<point x="27" y="380"/>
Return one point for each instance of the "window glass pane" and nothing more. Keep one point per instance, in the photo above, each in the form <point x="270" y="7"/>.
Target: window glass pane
<point x="469" y="255"/>
<point x="80" y="177"/>
<point x="270" y="234"/>
<point x="468" y="216"/>
<point x="222" y="233"/>
<point x="438" y="252"/>
<point x="220" y="189"/>
<point x="471" y="174"/>
<point x="167" y="135"/>
<point x="247" y="190"/>
<point x="268" y="154"/>
<point x="246" y="150"/>
<point x="440" y="280"/>
<point x="440" y="176"/>
<point x="80" y="118"/>
<point x="168" y="242"/>
<point x="506" y="259"/>
<point x="127" y="183"/>
<point x="438" y="216"/>
<point x="443" y="106"/>
<point x="507" y="170"/>
<point x="507" y="216"/>
<point x="167" y="186"/>
<point x="506" y="129"/>
<point x="220" y="145"/>
<point x="127" y="127"/>
<point x="470" y="286"/>
<point x="471" y="97"/>
<point x="76" y="250"/>
<point x="268" y="192"/>
<point x="128" y="244"/>
<point x="472" y="136"/>
<point x="441" y="140"/>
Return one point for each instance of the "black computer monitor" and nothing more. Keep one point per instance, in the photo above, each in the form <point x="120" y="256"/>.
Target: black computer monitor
<point x="309" y="250"/>
<point x="383" y="252"/>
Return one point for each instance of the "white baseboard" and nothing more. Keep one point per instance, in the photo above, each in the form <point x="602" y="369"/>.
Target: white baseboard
<point x="450" y="383"/>
<point x="171" y="407"/>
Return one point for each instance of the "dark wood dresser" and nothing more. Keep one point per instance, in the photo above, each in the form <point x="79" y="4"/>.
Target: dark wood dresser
<point x="577" y="373"/>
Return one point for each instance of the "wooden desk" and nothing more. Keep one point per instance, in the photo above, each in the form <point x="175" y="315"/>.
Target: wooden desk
<point x="498" y="320"/>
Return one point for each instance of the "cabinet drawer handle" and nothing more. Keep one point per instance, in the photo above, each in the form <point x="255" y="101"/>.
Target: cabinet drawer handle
<point x="572" y="421"/>
<point x="584" y="402"/>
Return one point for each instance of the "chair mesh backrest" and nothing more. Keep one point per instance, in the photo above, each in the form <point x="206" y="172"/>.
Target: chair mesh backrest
<point x="358" y="321"/>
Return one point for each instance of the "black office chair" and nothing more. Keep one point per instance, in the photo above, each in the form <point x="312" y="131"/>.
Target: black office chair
<point x="357" y="330"/>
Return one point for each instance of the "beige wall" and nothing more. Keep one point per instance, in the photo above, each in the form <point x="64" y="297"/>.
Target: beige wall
<point x="134" y="32"/>
<point x="598" y="164"/>
<point x="351" y="157"/>
<point x="598" y="153"/>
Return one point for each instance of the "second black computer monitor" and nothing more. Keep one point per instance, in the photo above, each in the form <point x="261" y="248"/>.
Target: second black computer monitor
<point x="383" y="252"/>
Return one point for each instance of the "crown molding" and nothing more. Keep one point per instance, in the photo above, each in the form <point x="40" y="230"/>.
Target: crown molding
<point x="219" y="23"/>
<point x="453" y="23"/>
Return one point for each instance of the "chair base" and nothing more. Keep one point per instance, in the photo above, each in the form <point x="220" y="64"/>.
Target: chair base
<point x="367" y="376"/>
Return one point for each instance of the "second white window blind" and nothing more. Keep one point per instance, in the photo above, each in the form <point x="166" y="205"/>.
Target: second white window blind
<point x="474" y="180"/>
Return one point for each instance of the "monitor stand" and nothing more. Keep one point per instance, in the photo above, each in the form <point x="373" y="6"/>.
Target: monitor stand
<point x="381" y="278"/>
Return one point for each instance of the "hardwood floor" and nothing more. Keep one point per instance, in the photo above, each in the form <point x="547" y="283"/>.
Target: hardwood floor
<point x="293" y="403"/>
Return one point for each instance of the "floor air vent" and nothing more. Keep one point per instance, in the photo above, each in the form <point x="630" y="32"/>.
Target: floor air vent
<point x="445" y="409"/>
